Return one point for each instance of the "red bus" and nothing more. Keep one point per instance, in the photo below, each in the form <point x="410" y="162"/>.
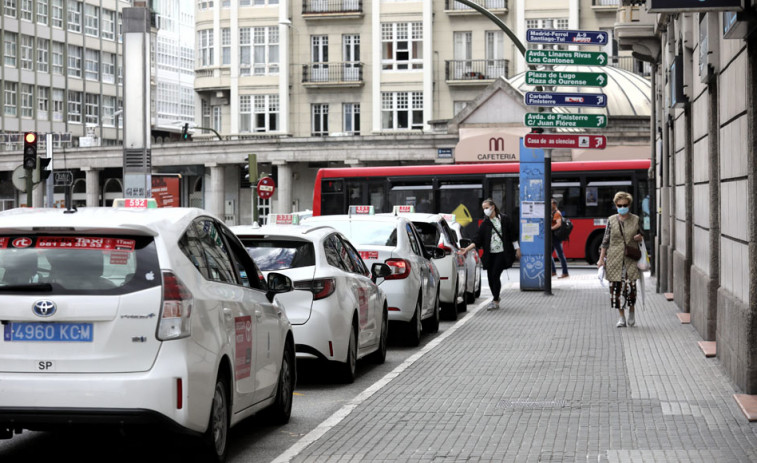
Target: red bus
<point x="584" y="191"/>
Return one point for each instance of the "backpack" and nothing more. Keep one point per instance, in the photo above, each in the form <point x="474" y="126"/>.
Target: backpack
<point x="563" y="233"/>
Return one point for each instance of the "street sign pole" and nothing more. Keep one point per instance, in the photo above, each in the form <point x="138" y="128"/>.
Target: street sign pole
<point x="49" y="185"/>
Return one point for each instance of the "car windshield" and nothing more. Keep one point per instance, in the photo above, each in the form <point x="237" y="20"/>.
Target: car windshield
<point x="367" y="233"/>
<point x="280" y="254"/>
<point x="429" y="233"/>
<point x="78" y="264"/>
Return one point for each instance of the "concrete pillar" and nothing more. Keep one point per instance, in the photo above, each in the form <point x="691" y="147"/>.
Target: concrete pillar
<point x="93" y="186"/>
<point x="214" y="193"/>
<point x="284" y="188"/>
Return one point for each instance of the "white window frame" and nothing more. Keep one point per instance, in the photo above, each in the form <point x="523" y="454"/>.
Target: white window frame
<point x="396" y="104"/>
<point x="91" y="20"/>
<point x="73" y="15"/>
<point x="43" y="55"/>
<point x="226" y="46"/>
<point x="259" y="113"/>
<point x="26" y="48"/>
<point x="217" y="118"/>
<point x="351" y="118"/>
<point x="43" y="103"/>
<point x="205" y="47"/>
<point x="59" y="105"/>
<point x="108" y="68"/>
<point x="265" y="50"/>
<point x="74" y="106"/>
<point x="57" y="13"/>
<point x="9" y="8"/>
<point x="58" y="58"/>
<point x="43" y="8"/>
<point x="10" y="47"/>
<point x="92" y="64"/>
<point x="75" y="56"/>
<point x="92" y="108"/>
<point x="109" y="111"/>
<point x="10" y="98"/>
<point x="26" y="10"/>
<point x="27" y="101"/>
<point x="319" y="116"/>
<point x="408" y="36"/>
<point x="108" y="24"/>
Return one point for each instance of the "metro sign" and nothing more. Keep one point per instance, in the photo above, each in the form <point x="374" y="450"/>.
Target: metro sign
<point x="570" y="141"/>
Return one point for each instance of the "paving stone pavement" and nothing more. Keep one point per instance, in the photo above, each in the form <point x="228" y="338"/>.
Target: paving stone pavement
<point x="551" y="379"/>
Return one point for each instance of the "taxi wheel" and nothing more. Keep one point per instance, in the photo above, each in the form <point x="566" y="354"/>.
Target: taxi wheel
<point x="477" y="294"/>
<point x="452" y="307"/>
<point x="470" y="298"/>
<point x="281" y="409"/>
<point x="217" y="434"/>
<point x="379" y="356"/>
<point x="347" y="369"/>
<point x="463" y="305"/>
<point x="414" y="327"/>
<point x="431" y="324"/>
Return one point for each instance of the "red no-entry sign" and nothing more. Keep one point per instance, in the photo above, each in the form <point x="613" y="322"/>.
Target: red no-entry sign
<point x="266" y="187"/>
<point x="554" y="140"/>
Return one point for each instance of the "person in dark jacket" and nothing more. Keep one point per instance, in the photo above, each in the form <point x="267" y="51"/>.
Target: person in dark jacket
<point x="498" y="237"/>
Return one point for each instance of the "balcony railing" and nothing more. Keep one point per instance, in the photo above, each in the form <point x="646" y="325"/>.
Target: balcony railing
<point x="350" y="73"/>
<point x="476" y="69"/>
<point x="331" y="6"/>
<point x="488" y="4"/>
<point x="608" y="3"/>
<point x="631" y="64"/>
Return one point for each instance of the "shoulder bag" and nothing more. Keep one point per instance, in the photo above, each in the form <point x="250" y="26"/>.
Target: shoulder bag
<point x="632" y="251"/>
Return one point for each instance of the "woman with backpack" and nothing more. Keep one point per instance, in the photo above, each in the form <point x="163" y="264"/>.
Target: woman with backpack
<point x="557" y="222"/>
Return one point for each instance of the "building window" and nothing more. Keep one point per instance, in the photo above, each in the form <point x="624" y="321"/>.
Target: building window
<point x="217" y="119"/>
<point x="204" y="4"/>
<point x="109" y="110"/>
<point x="226" y="46"/>
<point x="74" y="106"/>
<point x="58" y="104"/>
<point x="27" y="7"/>
<point x="10" y="42"/>
<point x="27" y="52"/>
<point x="9" y="7"/>
<point x="320" y="118"/>
<point x="43" y="103"/>
<point x="92" y="65"/>
<point x="259" y="113"/>
<point x="108" y="24"/>
<point x="27" y="101"/>
<point x="92" y="108"/>
<point x="10" y="98"/>
<point x="43" y="55"/>
<point x="42" y="7"/>
<point x="57" y="6"/>
<point x="58" y="58"/>
<point x="205" y="47"/>
<point x="351" y="118"/>
<point x="495" y="55"/>
<point x="74" y="16"/>
<point x="259" y="49"/>
<point x="91" y="20"/>
<point x="205" y="113"/>
<point x="74" y="61"/>
<point x="351" y="57"/>
<point x="402" y="110"/>
<point x="108" y="67"/>
<point x="402" y="46"/>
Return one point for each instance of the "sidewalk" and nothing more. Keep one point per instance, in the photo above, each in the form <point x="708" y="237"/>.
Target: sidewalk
<point x="546" y="379"/>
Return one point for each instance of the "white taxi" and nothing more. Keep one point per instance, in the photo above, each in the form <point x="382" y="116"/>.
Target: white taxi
<point x="338" y="313"/>
<point x="135" y="317"/>
<point x="473" y="265"/>
<point x="435" y="232"/>
<point x="412" y="289"/>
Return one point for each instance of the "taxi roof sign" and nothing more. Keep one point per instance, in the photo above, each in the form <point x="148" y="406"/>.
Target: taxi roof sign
<point x="404" y="209"/>
<point x="362" y="210"/>
<point x="136" y="203"/>
<point x="283" y="219"/>
<point x="450" y="218"/>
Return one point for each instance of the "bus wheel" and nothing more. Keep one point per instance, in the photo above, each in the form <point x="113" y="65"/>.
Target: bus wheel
<point x="592" y="250"/>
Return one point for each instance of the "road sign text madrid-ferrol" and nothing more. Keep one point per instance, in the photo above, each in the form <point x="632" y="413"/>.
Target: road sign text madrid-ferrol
<point x="564" y="36"/>
<point x="570" y="120"/>
<point x="591" y="100"/>
<point x="561" y="140"/>
<point x="554" y="57"/>
<point x="572" y="79"/>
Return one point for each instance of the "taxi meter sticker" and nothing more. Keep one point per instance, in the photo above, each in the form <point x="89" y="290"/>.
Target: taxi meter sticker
<point x="369" y="254"/>
<point x="243" y="346"/>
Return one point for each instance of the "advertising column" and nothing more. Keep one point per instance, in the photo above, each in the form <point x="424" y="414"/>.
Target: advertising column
<point x="532" y="219"/>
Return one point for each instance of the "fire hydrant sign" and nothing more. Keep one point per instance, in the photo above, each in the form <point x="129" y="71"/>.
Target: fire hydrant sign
<point x="266" y="187"/>
<point x="571" y="141"/>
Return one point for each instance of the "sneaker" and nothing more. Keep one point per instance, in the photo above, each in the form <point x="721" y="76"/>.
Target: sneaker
<point x="564" y="275"/>
<point x="554" y="274"/>
<point x="621" y="322"/>
<point x="493" y="305"/>
<point x="631" y="320"/>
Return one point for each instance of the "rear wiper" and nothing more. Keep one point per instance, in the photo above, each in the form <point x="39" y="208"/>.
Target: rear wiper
<point x="30" y="287"/>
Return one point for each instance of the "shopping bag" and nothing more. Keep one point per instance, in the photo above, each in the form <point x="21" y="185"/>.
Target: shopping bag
<point x="601" y="275"/>
<point x="643" y="262"/>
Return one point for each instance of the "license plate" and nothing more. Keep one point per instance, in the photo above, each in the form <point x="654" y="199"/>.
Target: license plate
<point x="44" y="332"/>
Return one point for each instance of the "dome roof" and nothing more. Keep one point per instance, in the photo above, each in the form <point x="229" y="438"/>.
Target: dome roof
<point x="628" y="94"/>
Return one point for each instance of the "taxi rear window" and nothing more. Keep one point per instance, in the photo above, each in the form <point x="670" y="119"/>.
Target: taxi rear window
<point x="280" y="254"/>
<point x="78" y="264"/>
<point x="367" y="233"/>
<point x="429" y="233"/>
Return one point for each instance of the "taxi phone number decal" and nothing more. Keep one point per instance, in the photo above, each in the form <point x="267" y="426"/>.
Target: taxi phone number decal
<point x="243" y="346"/>
<point x="81" y="242"/>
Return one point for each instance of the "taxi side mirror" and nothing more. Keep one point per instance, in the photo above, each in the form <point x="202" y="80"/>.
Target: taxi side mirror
<point x="379" y="270"/>
<point x="277" y="284"/>
<point x="464" y="242"/>
<point x="436" y="252"/>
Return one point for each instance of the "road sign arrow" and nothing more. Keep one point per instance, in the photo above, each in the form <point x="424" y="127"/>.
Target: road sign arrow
<point x="565" y="141"/>
<point x="601" y="121"/>
<point x="601" y="81"/>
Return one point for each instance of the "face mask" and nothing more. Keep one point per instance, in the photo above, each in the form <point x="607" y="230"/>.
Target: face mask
<point x="623" y="210"/>
<point x="488" y="211"/>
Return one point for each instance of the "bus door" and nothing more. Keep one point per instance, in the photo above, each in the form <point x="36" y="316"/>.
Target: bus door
<point x="333" y="197"/>
<point x="366" y="191"/>
<point x="463" y="200"/>
<point x="504" y="189"/>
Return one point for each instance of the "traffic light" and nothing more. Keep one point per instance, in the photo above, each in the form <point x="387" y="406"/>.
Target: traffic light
<point x="185" y="132"/>
<point x="42" y="164"/>
<point x="30" y="150"/>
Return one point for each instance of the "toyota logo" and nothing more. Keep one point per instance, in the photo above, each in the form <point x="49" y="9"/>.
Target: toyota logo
<point x="44" y="308"/>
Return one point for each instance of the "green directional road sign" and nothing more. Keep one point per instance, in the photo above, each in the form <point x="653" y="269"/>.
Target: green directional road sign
<point x="553" y="57"/>
<point x="559" y="120"/>
<point x="572" y="79"/>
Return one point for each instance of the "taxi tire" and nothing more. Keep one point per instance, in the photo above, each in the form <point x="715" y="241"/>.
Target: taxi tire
<point x="477" y="293"/>
<point x="414" y="327"/>
<point x="216" y="437"/>
<point x="462" y="306"/>
<point x="431" y="324"/>
<point x="470" y="298"/>
<point x="346" y="370"/>
<point x="452" y="308"/>
<point x="281" y="409"/>
<point x="379" y="356"/>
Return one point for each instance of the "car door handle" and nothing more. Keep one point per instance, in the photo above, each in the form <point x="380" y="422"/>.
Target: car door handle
<point x="258" y="314"/>
<point x="227" y="313"/>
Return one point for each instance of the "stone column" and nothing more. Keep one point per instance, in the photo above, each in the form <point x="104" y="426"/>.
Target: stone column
<point x="214" y="193"/>
<point x="93" y="186"/>
<point x="284" y="188"/>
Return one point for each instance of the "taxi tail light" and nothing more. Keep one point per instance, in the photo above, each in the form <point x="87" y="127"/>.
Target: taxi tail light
<point x="176" y="309"/>
<point x="321" y="288"/>
<point x="447" y="250"/>
<point x="400" y="269"/>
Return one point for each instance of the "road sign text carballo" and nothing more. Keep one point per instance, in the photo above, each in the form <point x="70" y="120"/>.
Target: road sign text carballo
<point x="593" y="100"/>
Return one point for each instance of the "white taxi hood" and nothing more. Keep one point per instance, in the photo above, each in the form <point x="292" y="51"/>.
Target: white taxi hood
<point x="299" y="302"/>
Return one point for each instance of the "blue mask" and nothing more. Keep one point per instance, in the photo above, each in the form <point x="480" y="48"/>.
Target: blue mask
<point x="623" y="210"/>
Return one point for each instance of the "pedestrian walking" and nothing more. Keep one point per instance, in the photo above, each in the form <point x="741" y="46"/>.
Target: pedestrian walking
<point x="620" y="269"/>
<point x="499" y="239"/>
<point x="556" y="243"/>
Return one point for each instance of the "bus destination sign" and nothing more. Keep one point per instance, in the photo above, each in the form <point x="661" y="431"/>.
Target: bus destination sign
<point x="592" y="100"/>
<point x="566" y="36"/>
<point x="572" y="79"/>
<point x="556" y="57"/>
<point x="570" y="120"/>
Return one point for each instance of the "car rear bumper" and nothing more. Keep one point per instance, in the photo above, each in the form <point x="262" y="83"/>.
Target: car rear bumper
<point x="328" y="323"/>
<point x="401" y="296"/>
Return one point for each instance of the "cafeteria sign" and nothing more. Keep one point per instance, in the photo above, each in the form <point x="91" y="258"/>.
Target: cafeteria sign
<point x="489" y="145"/>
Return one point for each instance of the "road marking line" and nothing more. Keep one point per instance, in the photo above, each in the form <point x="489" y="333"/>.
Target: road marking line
<point x="343" y="412"/>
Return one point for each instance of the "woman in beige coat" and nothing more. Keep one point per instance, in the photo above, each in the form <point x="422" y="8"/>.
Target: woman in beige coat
<point x="621" y="271"/>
